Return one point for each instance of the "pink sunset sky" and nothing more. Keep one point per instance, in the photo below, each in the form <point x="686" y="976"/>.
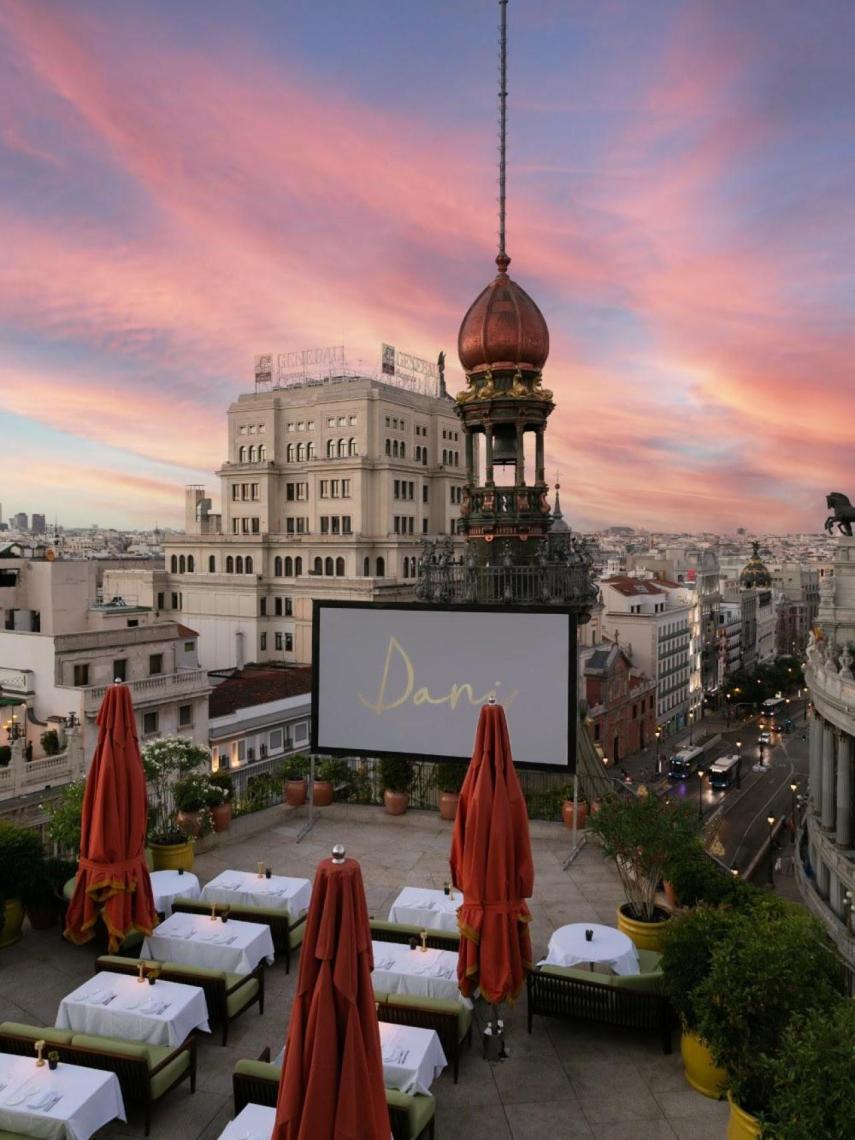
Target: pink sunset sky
<point x="183" y="186"/>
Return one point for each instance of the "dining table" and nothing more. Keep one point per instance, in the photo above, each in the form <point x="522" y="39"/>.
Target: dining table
<point x="569" y="946"/>
<point x="426" y="907"/>
<point x="245" y="888"/>
<point x="421" y="973"/>
<point x="70" y="1102"/>
<point x="253" y="1122"/>
<point x="199" y="940"/>
<point x="119" y="1005"/>
<point x="166" y="886"/>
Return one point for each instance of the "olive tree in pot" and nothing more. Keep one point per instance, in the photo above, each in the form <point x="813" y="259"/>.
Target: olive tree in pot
<point x="449" y="778"/>
<point x="329" y="775"/>
<point x="294" y="784"/>
<point x="642" y="834"/>
<point x="220" y="797"/>
<point x="396" y="779"/>
<point x="165" y="761"/>
<point x="772" y="964"/>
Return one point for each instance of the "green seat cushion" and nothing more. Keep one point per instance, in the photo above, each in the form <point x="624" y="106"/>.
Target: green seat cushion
<point x="649" y="961"/>
<point x="4" y="1135"/>
<point x="35" y="1033"/>
<point x="124" y="963"/>
<point x="131" y="940"/>
<point x="110" y="1045"/>
<point x="585" y="975"/>
<point x="378" y="926"/>
<point x="233" y="980"/>
<point x="639" y="983"/>
<point x="192" y="904"/>
<point x="170" y="1073"/>
<point x="420" y="1109"/>
<point x="236" y="1001"/>
<point x="436" y="1005"/>
<point x="261" y="1070"/>
<point x="197" y="971"/>
<point x="298" y="933"/>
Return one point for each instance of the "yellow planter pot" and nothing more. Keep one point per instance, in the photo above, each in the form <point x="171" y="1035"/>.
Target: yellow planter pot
<point x="171" y="856"/>
<point x="702" y="1073"/>
<point x="742" y="1125"/>
<point x="645" y="935"/>
<point x="11" y="931"/>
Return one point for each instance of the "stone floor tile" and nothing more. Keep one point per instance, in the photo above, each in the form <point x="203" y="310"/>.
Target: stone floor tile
<point x="686" y="1103"/>
<point x="471" y="1122"/>
<point x="635" y="1130"/>
<point x="548" y="1120"/>
<point x="527" y="1079"/>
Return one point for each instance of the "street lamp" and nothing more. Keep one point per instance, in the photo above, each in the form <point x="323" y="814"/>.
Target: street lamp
<point x="658" y="753"/>
<point x="760" y="749"/>
<point x="770" y="819"/>
<point x="794" y="787"/>
<point x="691" y="726"/>
<point x="739" y="763"/>
<point x="727" y="707"/>
<point x="701" y="774"/>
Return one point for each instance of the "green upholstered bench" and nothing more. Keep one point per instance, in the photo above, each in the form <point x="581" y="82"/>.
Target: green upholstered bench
<point x="630" y="1001"/>
<point x="227" y="995"/>
<point x="257" y="1082"/>
<point x="400" y="932"/>
<point x="451" y="1020"/>
<point x="287" y="934"/>
<point x="145" y="1072"/>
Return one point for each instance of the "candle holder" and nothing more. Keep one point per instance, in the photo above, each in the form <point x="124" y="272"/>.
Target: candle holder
<point x="446" y="888"/>
<point x="53" y="1059"/>
<point x="589" y="935"/>
<point x="141" y="972"/>
<point x="261" y="870"/>
<point x="180" y="870"/>
<point x="414" y="942"/>
<point x="226" y="914"/>
<point x="213" y="912"/>
<point x="424" y="945"/>
<point x="267" y="873"/>
<point x="39" y="1048"/>
<point x="153" y="975"/>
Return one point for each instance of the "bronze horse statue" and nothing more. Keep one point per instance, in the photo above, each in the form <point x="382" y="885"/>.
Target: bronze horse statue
<point x="844" y="513"/>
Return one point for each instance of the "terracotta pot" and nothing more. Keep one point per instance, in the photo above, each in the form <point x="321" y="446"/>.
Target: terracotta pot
<point x="190" y="822"/>
<point x="42" y="915"/>
<point x="702" y="1073"/>
<point x="581" y="813"/>
<point x="645" y="935"/>
<point x="171" y="856"/>
<point x="322" y="793"/>
<point x="742" y="1125"/>
<point x="295" y="792"/>
<point x="221" y="816"/>
<point x="670" y="894"/>
<point x="396" y="803"/>
<point x="11" y="931"/>
<point x="448" y="802"/>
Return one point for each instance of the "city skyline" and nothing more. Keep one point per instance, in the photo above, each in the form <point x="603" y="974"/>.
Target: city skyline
<point x="184" y="189"/>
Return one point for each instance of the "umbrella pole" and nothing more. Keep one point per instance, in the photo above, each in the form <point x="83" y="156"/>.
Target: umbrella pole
<point x="310" y="821"/>
<point x="576" y="844"/>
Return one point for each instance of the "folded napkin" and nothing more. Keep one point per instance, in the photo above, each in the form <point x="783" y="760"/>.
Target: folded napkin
<point x="385" y="964"/>
<point x="41" y="1099"/>
<point x="392" y="1055"/>
<point x="224" y="939"/>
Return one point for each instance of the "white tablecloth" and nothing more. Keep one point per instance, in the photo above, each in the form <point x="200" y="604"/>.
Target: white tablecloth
<point x="135" y="1012"/>
<point x="243" y="888"/>
<point x="418" y="906"/>
<point x="413" y="1073"/>
<point x="169" y="885"/>
<point x="89" y="1099"/>
<point x="194" y="940"/>
<point x="400" y="970"/>
<point x="253" y="1122"/>
<point x="568" y="947"/>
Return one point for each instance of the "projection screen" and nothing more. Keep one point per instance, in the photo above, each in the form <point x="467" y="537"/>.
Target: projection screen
<point x="410" y="680"/>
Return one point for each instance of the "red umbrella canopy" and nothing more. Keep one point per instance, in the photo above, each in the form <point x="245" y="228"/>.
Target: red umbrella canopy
<point x="332" y="1081"/>
<point x="491" y="864"/>
<point x="112" y="878"/>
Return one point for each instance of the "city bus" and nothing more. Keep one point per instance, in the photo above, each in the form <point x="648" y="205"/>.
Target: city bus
<point x="724" y="772"/>
<point x="773" y="706"/>
<point x="683" y="763"/>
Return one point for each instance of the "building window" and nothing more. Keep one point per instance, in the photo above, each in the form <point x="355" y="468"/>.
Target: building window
<point x="381" y="568"/>
<point x="277" y="607"/>
<point x="161" y="600"/>
<point x="185" y="716"/>
<point x="301" y="453"/>
<point x="278" y="640"/>
<point x="289" y="567"/>
<point x="342" y="448"/>
<point x="150" y="723"/>
<point x="325" y="488"/>
<point x="249" y="565"/>
<point x="277" y="567"/>
<point x="262" y="641"/>
<point x="275" y="739"/>
<point x="345" y="524"/>
<point x="239" y="564"/>
<point x="325" y="524"/>
<point x="310" y="449"/>
<point x="388" y="447"/>
<point x="230" y="565"/>
<point x="289" y="607"/>
<point x="81" y="675"/>
<point x="339" y="567"/>
<point x="366" y="567"/>
<point x="241" y="454"/>
<point x="173" y="564"/>
<point x="290" y="453"/>
<point x="212" y="564"/>
<point x="256" y="527"/>
<point x="328" y="567"/>
<point x="155" y="664"/>
<point x="262" y="607"/>
<point x="330" y="449"/>
<point x="189" y="646"/>
<point x="352" y="448"/>
<point x="289" y="642"/>
<point x="298" y="567"/>
<point x="319" y="566"/>
<point x="345" y="488"/>
<point x="262" y="452"/>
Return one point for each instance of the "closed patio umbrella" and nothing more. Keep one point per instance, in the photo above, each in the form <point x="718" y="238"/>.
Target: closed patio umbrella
<point x="491" y="865"/>
<point x="332" y="1079"/>
<point x="112" y="879"/>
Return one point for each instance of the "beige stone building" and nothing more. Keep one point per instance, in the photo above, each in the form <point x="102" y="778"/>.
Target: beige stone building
<point x="327" y="491"/>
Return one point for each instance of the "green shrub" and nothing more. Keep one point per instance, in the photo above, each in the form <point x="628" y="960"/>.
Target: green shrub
<point x="295" y="767"/>
<point x="5" y="755"/>
<point x="396" y="774"/>
<point x="165" y="761"/>
<point x="449" y="777"/>
<point x="50" y="742"/>
<point x="64" y="817"/>
<point x="690" y="939"/>
<point x="696" y="879"/>
<point x="21" y="862"/>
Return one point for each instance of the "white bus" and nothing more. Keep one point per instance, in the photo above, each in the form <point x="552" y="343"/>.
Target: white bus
<point x="683" y="763"/>
<point x="724" y="773"/>
<point x="773" y="705"/>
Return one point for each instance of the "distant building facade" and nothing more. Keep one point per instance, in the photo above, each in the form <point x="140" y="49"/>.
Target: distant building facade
<point x="621" y="701"/>
<point x="260" y="713"/>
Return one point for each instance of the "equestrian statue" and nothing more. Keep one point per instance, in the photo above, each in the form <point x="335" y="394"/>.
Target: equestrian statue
<point x="844" y="513"/>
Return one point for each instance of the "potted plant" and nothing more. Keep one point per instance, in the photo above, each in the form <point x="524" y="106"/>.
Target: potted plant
<point x="50" y="742"/>
<point x="569" y="808"/>
<point x="165" y="761"/>
<point x="64" y="815"/>
<point x="694" y="878"/>
<point x="772" y="964"/>
<point x="642" y="835"/>
<point x="812" y="1076"/>
<point x="220" y="796"/>
<point x="21" y="860"/>
<point x="294" y="784"/>
<point x="329" y="775"/>
<point x="192" y="795"/>
<point x="449" y="777"/>
<point x="396" y="779"/>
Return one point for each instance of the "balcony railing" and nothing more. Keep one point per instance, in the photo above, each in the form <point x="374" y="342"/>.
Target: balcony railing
<point x="162" y="686"/>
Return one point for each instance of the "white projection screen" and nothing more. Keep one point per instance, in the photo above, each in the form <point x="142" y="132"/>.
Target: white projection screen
<point x="409" y="680"/>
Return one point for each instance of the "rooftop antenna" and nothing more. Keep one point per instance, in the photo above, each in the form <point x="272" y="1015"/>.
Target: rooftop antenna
<point x="503" y="113"/>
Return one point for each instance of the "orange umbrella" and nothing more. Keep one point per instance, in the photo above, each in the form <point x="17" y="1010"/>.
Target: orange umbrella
<point x="332" y="1081"/>
<point x="491" y="864"/>
<point x="112" y="878"/>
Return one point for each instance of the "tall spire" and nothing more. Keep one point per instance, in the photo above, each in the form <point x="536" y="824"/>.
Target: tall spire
<point x="503" y="261"/>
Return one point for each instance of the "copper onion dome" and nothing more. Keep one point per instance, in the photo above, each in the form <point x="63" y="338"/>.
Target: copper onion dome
<point x="503" y="328"/>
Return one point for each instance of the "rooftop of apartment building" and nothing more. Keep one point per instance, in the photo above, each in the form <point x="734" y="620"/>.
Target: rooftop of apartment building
<point x="258" y="685"/>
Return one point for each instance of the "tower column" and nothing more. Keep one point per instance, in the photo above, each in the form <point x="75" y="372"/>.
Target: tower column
<point x="470" y="457"/>
<point x="488" y="454"/>
<point x="815" y="770"/>
<point x="828" y="789"/>
<point x="520" y="471"/>
<point x="540" y="466"/>
<point x="844" y="791"/>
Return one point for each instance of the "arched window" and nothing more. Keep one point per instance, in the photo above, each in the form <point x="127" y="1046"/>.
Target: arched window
<point x="173" y="564"/>
<point x="301" y="453"/>
<point x="290" y="453"/>
<point x="298" y="567"/>
<point x="366" y="567"/>
<point x="352" y="448"/>
<point x="406" y="568"/>
<point x="403" y="450"/>
<point x="418" y="454"/>
<point x="230" y="565"/>
<point x="191" y="564"/>
<point x="444" y="457"/>
<point x="262" y="452"/>
<point x="319" y="566"/>
<point x="182" y="564"/>
<point x="249" y="565"/>
<point x="330" y="449"/>
<point x="328" y="567"/>
<point x="395" y="450"/>
<point x="242" y="454"/>
<point x="339" y="567"/>
<point x="388" y="447"/>
<point x="342" y="448"/>
<point x="289" y="567"/>
<point x="212" y="564"/>
<point x="252" y="453"/>
<point x="239" y="565"/>
<point x="310" y="450"/>
<point x="277" y="567"/>
<point x="424" y="456"/>
<point x="381" y="568"/>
